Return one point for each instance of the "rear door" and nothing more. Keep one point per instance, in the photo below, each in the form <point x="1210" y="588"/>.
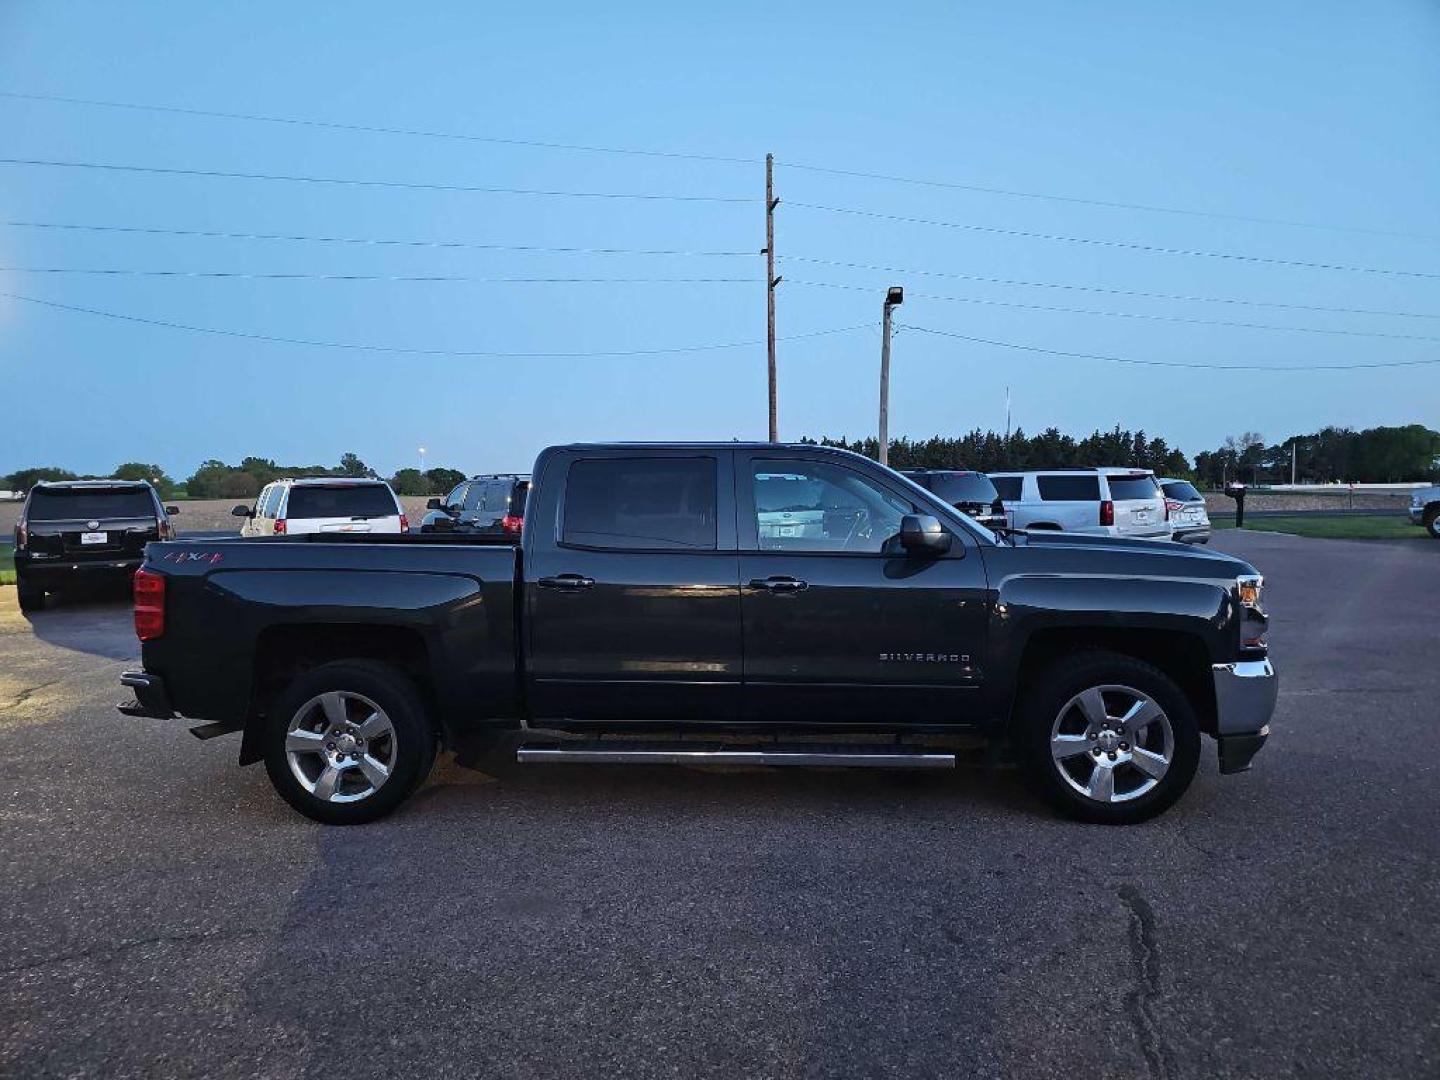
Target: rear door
<point x="632" y="588"/>
<point x="1139" y="504"/>
<point x="1069" y="501"/>
<point x="840" y="625"/>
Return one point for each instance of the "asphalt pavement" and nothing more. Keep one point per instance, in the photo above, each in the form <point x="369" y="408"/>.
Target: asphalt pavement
<point x="162" y="913"/>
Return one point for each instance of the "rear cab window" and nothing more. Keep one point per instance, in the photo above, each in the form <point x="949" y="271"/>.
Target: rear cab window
<point x="1069" y="488"/>
<point x="660" y="503"/>
<point x="68" y="504"/>
<point x="340" y="501"/>
<point x="1133" y="488"/>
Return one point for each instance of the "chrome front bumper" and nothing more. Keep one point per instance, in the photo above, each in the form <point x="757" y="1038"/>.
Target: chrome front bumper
<point x="1245" y="693"/>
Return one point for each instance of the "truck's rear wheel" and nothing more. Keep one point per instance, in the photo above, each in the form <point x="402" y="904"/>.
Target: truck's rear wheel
<point x="348" y="741"/>
<point x="1107" y="738"/>
<point x="1432" y="521"/>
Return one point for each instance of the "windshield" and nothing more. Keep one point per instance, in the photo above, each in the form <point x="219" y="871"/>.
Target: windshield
<point x="61" y="504"/>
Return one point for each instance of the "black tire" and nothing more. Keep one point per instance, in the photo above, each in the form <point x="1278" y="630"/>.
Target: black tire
<point x="410" y="749"/>
<point x="32" y="597"/>
<point x="1432" y="521"/>
<point x="1061" y="681"/>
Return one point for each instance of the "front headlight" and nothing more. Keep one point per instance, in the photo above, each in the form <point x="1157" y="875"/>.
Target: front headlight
<point x="1247" y="588"/>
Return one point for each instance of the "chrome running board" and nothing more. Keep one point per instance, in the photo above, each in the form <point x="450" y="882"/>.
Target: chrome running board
<point x="859" y="757"/>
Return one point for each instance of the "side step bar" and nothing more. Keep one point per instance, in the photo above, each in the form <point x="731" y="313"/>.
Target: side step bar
<point x="858" y="757"/>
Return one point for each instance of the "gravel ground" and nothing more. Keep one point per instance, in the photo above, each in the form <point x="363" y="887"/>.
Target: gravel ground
<point x="165" y="915"/>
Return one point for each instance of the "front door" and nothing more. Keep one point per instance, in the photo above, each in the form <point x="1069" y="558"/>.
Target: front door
<point x="840" y="625"/>
<point x="632" y="586"/>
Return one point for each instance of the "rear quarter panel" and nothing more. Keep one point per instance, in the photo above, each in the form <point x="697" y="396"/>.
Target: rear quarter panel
<point x="223" y="597"/>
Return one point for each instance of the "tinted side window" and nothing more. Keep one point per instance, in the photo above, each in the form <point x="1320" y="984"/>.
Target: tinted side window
<point x="636" y="503"/>
<point x="1132" y="487"/>
<point x="1008" y="487"/>
<point x="456" y="499"/>
<point x="1069" y="488"/>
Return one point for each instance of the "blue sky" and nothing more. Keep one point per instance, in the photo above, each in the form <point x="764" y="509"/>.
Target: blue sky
<point x="1316" y="112"/>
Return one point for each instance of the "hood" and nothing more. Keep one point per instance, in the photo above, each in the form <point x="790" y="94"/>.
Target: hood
<point x="1148" y="556"/>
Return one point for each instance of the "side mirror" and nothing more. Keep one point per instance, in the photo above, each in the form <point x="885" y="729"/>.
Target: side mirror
<point x="241" y="511"/>
<point x="921" y="534"/>
<point x="434" y="504"/>
<point x="172" y="510"/>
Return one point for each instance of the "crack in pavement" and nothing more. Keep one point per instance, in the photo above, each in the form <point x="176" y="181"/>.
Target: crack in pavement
<point x="113" y="949"/>
<point x="1145" y="953"/>
<point x="24" y="695"/>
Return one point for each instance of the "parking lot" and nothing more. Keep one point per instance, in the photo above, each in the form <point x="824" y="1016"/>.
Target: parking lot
<point x="164" y="912"/>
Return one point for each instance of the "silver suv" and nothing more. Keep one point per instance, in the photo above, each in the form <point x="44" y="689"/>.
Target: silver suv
<point x="1107" y="501"/>
<point x="1425" y="509"/>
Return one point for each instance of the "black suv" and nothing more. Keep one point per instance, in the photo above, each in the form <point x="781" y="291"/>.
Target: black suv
<point x="968" y="491"/>
<point x="482" y="504"/>
<point x="84" y="532"/>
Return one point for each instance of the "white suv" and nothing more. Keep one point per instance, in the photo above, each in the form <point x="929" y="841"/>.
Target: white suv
<point x="324" y="504"/>
<point x="1107" y="501"/>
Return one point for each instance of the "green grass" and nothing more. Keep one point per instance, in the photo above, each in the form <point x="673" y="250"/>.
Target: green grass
<point x="7" y="566"/>
<point x="1336" y="527"/>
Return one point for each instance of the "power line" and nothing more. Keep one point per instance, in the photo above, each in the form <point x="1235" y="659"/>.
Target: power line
<point x="1167" y="363"/>
<point x="1129" y="314"/>
<point x="418" y="278"/>
<point x="374" y="129"/>
<point x="211" y="174"/>
<point x="364" y="347"/>
<point x="1185" y="297"/>
<point x="365" y="241"/>
<point x="1123" y="244"/>
<point x="1148" y="208"/>
<point x="214" y="114"/>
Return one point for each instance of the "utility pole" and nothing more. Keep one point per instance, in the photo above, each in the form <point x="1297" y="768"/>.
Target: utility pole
<point x="893" y="299"/>
<point x="1294" y="443"/>
<point x="770" y="282"/>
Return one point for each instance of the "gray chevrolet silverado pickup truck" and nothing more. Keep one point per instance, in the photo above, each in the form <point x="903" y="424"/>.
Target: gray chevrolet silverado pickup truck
<point x="711" y="603"/>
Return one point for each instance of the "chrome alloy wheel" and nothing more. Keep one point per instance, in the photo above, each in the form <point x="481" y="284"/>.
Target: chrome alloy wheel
<point x="1112" y="743"/>
<point x="340" y="746"/>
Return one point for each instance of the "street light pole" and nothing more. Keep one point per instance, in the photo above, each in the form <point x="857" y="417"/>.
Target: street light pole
<point x="422" y="460"/>
<point x="894" y="297"/>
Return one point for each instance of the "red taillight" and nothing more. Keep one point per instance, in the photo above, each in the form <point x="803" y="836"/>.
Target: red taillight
<point x="22" y="535"/>
<point x="149" y="605"/>
<point x="279" y="526"/>
<point x="1107" y="513"/>
<point x="511" y="523"/>
<point x="404" y="523"/>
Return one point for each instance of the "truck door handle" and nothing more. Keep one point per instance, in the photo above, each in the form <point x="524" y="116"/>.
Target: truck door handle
<point x="566" y="581"/>
<point x="780" y="584"/>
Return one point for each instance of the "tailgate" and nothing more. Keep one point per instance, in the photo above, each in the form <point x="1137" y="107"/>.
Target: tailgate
<point x="100" y="539"/>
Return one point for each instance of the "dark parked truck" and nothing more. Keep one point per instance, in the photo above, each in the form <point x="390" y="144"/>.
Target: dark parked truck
<point x="719" y="603"/>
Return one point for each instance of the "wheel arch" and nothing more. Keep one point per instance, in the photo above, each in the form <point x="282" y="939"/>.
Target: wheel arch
<point x="282" y="652"/>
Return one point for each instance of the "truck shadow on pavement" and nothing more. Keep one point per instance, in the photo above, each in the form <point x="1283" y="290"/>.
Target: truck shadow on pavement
<point x="97" y="623"/>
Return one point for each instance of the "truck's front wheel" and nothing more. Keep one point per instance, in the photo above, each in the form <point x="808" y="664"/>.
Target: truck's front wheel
<point x="1432" y="521"/>
<point x="1107" y="738"/>
<point x="348" y="741"/>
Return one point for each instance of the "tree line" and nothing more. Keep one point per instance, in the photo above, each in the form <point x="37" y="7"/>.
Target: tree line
<point x="989" y="451"/>
<point x="1379" y="455"/>
<point x="215" y="479"/>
